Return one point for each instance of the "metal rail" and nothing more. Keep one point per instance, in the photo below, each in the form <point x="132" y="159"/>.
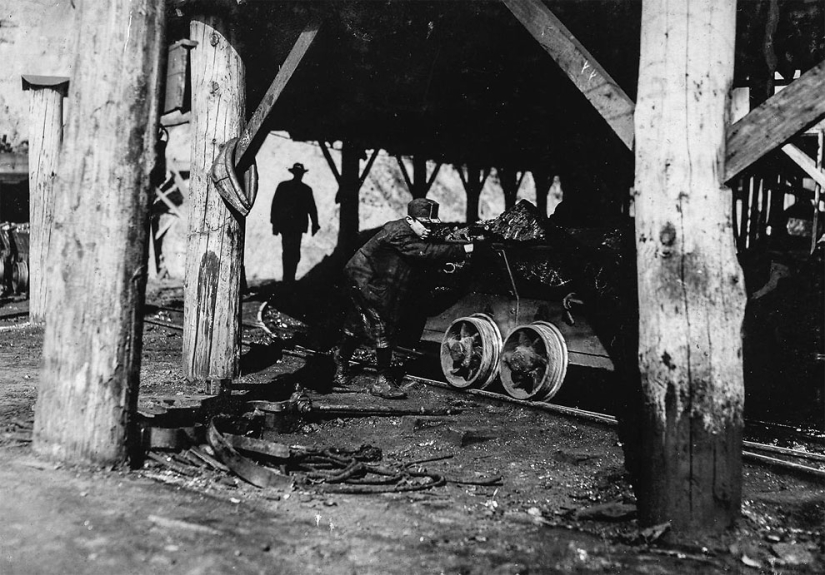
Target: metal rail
<point x="612" y="421"/>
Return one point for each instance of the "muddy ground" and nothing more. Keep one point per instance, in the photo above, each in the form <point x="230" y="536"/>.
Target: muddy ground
<point x="562" y="503"/>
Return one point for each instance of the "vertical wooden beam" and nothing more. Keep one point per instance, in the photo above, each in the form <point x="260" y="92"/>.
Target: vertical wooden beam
<point x="510" y="179"/>
<point x="473" y="182"/>
<point x="214" y="257"/>
<point x="87" y="397"/>
<point x="543" y="180"/>
<point x="45" y="138"/>
<point x="348" y="195"/>
<point x="691" y="288"/>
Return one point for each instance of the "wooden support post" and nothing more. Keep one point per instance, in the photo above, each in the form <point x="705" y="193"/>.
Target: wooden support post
<point x="543" y="180"/>
<point x="419" y="180"/>
<point x="419" y="184"/>
<point x="691" y="288"/>
<point x="87" y="397"/>
<point x="214" y="257"/>
<point x="348" y="196"/>
<point x="473" y="182"/>
<point x="510" y="179"/>
<point x="46" y="95"/>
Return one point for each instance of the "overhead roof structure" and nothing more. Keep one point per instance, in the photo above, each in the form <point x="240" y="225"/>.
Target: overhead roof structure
<point x="463" y="81"/>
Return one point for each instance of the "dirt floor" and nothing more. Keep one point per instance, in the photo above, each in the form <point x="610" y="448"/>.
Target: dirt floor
<point x="525" y="491"/>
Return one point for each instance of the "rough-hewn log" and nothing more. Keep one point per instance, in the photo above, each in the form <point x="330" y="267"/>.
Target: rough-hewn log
<point x="214" y="257"/>
<point x="45" y="137"/>
<point x="691" y="288"/>
<point x="590" y="78"/>
<point x="767" y="127"/>
<point x="87" y="396"/>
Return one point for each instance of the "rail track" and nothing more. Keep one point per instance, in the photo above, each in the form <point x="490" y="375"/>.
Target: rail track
<point x="805" y="460"/>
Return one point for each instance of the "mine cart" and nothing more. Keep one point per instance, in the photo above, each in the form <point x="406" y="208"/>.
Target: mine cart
<point x="503" y="327"/>
<point x="14" y="258"/>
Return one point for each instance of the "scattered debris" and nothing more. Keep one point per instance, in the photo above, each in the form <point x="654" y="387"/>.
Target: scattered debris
<point x="614" y="511"/>
<point x="177" y="524"/>
<point x="654" y="533"/>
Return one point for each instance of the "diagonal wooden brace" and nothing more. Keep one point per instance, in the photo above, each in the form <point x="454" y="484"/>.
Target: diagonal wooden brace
<point x="240" y="153"/>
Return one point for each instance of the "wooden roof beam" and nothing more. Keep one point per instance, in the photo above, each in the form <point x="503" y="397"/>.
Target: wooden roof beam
<point x="590" y="78"/>
<point x="779" y="118"/>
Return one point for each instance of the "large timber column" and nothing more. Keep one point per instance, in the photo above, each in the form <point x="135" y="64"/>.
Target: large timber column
<point x="88" y="389"/>
<point x="691" y="289"/>
<point x="214" y="255"/>
<point x="46" y="95"/>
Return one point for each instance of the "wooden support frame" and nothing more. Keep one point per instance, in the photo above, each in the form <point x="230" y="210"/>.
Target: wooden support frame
<point x="251" y="138"/>
<point x="473" y="182"/>
<point x="770" y="125"/>
<point x="614" y="105"/>
<point x="511" y="180"/>
<point x="805" y="162"/>
<point x="420" y="183"/>
<point x="778" y="119"/>
<point x="46" y="95"/>
<point x="337" y="174"/>
<point x="330" y="162"/>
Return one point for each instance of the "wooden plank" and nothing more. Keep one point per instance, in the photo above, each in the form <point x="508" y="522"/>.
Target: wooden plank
<point x="805" y="162"/>
<point x="778" y="119"/>
<point x="250" y="140"/>
<point x="590" y="78"/>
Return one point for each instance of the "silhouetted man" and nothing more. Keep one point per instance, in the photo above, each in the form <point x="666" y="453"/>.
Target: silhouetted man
<point x="292" y="205"/>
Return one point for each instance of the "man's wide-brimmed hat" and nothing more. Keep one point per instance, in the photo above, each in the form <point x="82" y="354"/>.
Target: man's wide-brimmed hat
<point x="424" y="210"/>
<point x="298" y="168"/>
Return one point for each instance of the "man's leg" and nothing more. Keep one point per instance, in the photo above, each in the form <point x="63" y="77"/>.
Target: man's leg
<point x="384" y="385"/>
<point x="342" y="357"/>
<point x="291" y="255"/>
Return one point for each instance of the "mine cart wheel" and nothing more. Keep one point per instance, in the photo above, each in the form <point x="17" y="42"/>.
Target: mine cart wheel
<point x="534" y="361"/>
<point x="20" y="277"/>
<point x="470" y="350"/>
